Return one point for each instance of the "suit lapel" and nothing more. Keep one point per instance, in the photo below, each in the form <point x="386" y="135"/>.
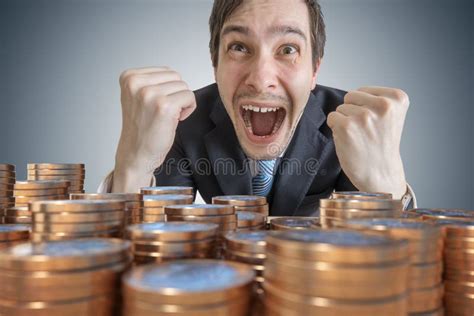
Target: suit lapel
<point x="228" y="161"/>
<point x="301" y="162"/>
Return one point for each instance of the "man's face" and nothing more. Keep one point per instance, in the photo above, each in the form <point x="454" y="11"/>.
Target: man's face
<point x="265" y="72"/>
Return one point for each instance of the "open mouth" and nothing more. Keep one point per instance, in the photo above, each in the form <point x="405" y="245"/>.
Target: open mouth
<point x="262" y="121"/>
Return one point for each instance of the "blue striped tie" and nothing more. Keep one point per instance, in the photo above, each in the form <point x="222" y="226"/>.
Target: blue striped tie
<point x="262" y="182"/>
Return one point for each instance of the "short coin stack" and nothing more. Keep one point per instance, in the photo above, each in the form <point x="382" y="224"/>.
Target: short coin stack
<point x="30" y="191"/>
<point x="133" y="203"/>
<point x="188" y="288"/>
<point x="222" y="215"/>
<point x="60" y="220"/>
<point x="74" y="173"/>
<point x="77" y="277"/>
<point x="335" y="272"/>
<point x="12" y="234"/>
<point x="250" y="221"/>
<point x="358" y="195"/>
<point x="333" y="212"/>
<point x="437" y="214"/>
<point x="426" y="261"/>
<point x="459" y="268"/>
<point x="248" y="203"/>
<point x="249" y="247"/>
<point x="154" y="205"/>
<point x="167" y="190"/>
<point x="294" y="223"/>
<point x="159" y="242"/>
<point x="7" y="180"/>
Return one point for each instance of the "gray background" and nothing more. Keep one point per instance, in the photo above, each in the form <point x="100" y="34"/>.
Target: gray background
<point x="60" y="62"/>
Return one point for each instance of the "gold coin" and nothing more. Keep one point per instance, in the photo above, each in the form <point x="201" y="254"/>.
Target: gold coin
<point x="310" y="305"/>
<point x="356" y="195"/>
<point x="49" y="227"/>
<point x="361" y="204"/>
<point x="60" y="166"/>
<point x="337" y="246"/>
<point x="64" y="255"/>
<point x="199" y="209"/>
<point x="166" y="199"/>
<point x="41" y="185"/>
<point x="90" y="217"/>
<point x="240" y="200"/>
<point x="294" y="223"/>
<point x="167" y="190"/>
<point x="425" y="300"/>
<point x="77" y="206"/>
<point x="172" y="231"/>
<point x="14" y="232"/>
<point x="189" y="282"/>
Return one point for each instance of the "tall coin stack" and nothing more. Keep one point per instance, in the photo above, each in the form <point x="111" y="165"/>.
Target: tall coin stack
<point x="335" y="272"/>
<point x="459" y="268"/>
<point x="7" y="180"/>
<point x="60" y="220"/>
<point x="333" y="212"/>
<point x="30" y="191"/>
<point x="426" y="260"/>
<point x="167" y="190"/>
<point x="438" y="214"/>
<point x="222" y="215"/>
<point x="248" y="203"/>
<point x="294" y="223"/>
<point x="12" y="234"/>
<point x="133" y="203"/>
<point x="188" y="288"/>
<point x="77" y="277"/>
<point x="154" y="205"/>
<point x="74" y="173"/>
<point x="250" y="221"/>
<point x="160" y="242"/>
<point x="249" y="247"/>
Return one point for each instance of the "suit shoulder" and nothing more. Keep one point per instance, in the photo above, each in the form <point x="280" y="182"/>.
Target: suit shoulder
<point x="329" y="98"/>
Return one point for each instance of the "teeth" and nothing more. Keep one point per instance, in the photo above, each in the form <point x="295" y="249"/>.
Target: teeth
<point x="259" y="109"/>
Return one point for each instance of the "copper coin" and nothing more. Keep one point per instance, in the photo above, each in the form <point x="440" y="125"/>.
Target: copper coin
<point x="77" y="206"/>
<point x="77" y="217"/>
<point x="249" y="242"/>
<point x="248" y="219"/>
<point x="240" y="200"/>
<point x="361" y="204"/>
<point x="200" y="209"/>
<point x="7" y="167"/>
<point x="108" y="196"/>
<point x="14" y="232"/>
<point x="59" y="166"/>
<point x="172" y="231"/>
<point x="294" y="223"/>
<point x="41" y="185"/>
<point x="425" y="300"/>
<point x="357" y="195"/>
<point x="167" y="190"/>
<point x="166" y="199"/>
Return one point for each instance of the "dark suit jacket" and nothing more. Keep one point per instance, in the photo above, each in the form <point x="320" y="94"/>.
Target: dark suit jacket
<point x="206" y="155"/>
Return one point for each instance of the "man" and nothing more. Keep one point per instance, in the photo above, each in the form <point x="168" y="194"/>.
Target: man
<point x="265" y="127"/>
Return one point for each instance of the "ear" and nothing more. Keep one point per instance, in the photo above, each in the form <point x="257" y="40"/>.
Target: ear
<point x="315" y="73"/>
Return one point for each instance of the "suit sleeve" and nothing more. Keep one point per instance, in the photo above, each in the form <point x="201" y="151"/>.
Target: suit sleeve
<point x="344" y="184"/>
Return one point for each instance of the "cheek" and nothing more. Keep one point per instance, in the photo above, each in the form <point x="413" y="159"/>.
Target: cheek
<point x="297" y="82"/>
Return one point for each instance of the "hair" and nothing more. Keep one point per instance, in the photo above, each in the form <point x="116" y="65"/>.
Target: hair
<point x="223" y="9"/>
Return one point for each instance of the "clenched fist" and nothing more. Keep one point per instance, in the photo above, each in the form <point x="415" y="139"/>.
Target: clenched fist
<point x="153" y="100"/>
<point x="367" y="130"/>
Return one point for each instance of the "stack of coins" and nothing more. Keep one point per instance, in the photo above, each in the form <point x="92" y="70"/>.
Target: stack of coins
<point x="74" y="173"/>
<point x="357" y="195"/>
<point x="294" y="223"/>
<point x="10" y="235"/>
<point x="248" y="203"/>
<point x="333" y="212"/>
<point x="60" y="220"/>
<point x="437" y="214"/>
<point x="167" y="190"/>
<point x="250" y="221"/>
<point x="133" y="203"/>
<point x="160" y="242"/>
<point x="222" y="215"/>
<point x="77" y="277"/>
<point x="188" y="287"/>
<point x="7" y="180"/>
<point x="29" y="191"/>
<point x="459" y="268"/>
<point x="335" y="272"/>
<point x="426" y="260"/>
<point x="154" y="205"/>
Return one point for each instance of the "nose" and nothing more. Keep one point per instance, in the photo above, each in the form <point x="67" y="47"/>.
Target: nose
<point x="262" y="74"/>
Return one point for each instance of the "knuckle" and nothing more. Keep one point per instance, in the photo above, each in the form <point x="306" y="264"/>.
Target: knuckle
<point x="401" y="96"/>
<point x="144" y="95"/>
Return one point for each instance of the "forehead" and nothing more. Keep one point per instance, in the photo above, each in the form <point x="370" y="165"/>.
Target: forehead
<point x="261" y="15"/>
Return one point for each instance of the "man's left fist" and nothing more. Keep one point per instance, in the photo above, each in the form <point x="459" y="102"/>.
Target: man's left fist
<point x="367" y="130"/>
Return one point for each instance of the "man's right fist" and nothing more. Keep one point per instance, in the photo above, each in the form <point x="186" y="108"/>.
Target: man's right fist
<point x="154" y="100"/>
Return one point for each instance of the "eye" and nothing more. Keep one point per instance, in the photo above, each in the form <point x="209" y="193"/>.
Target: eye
<point x="237" y="47"/>
<point x="288" y="50"/>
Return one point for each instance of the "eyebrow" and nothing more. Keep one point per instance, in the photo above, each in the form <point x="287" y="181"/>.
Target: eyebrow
<point x="274" y="30"/>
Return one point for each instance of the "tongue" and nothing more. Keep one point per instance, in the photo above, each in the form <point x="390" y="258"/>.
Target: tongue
<point x="262" y="123"/>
